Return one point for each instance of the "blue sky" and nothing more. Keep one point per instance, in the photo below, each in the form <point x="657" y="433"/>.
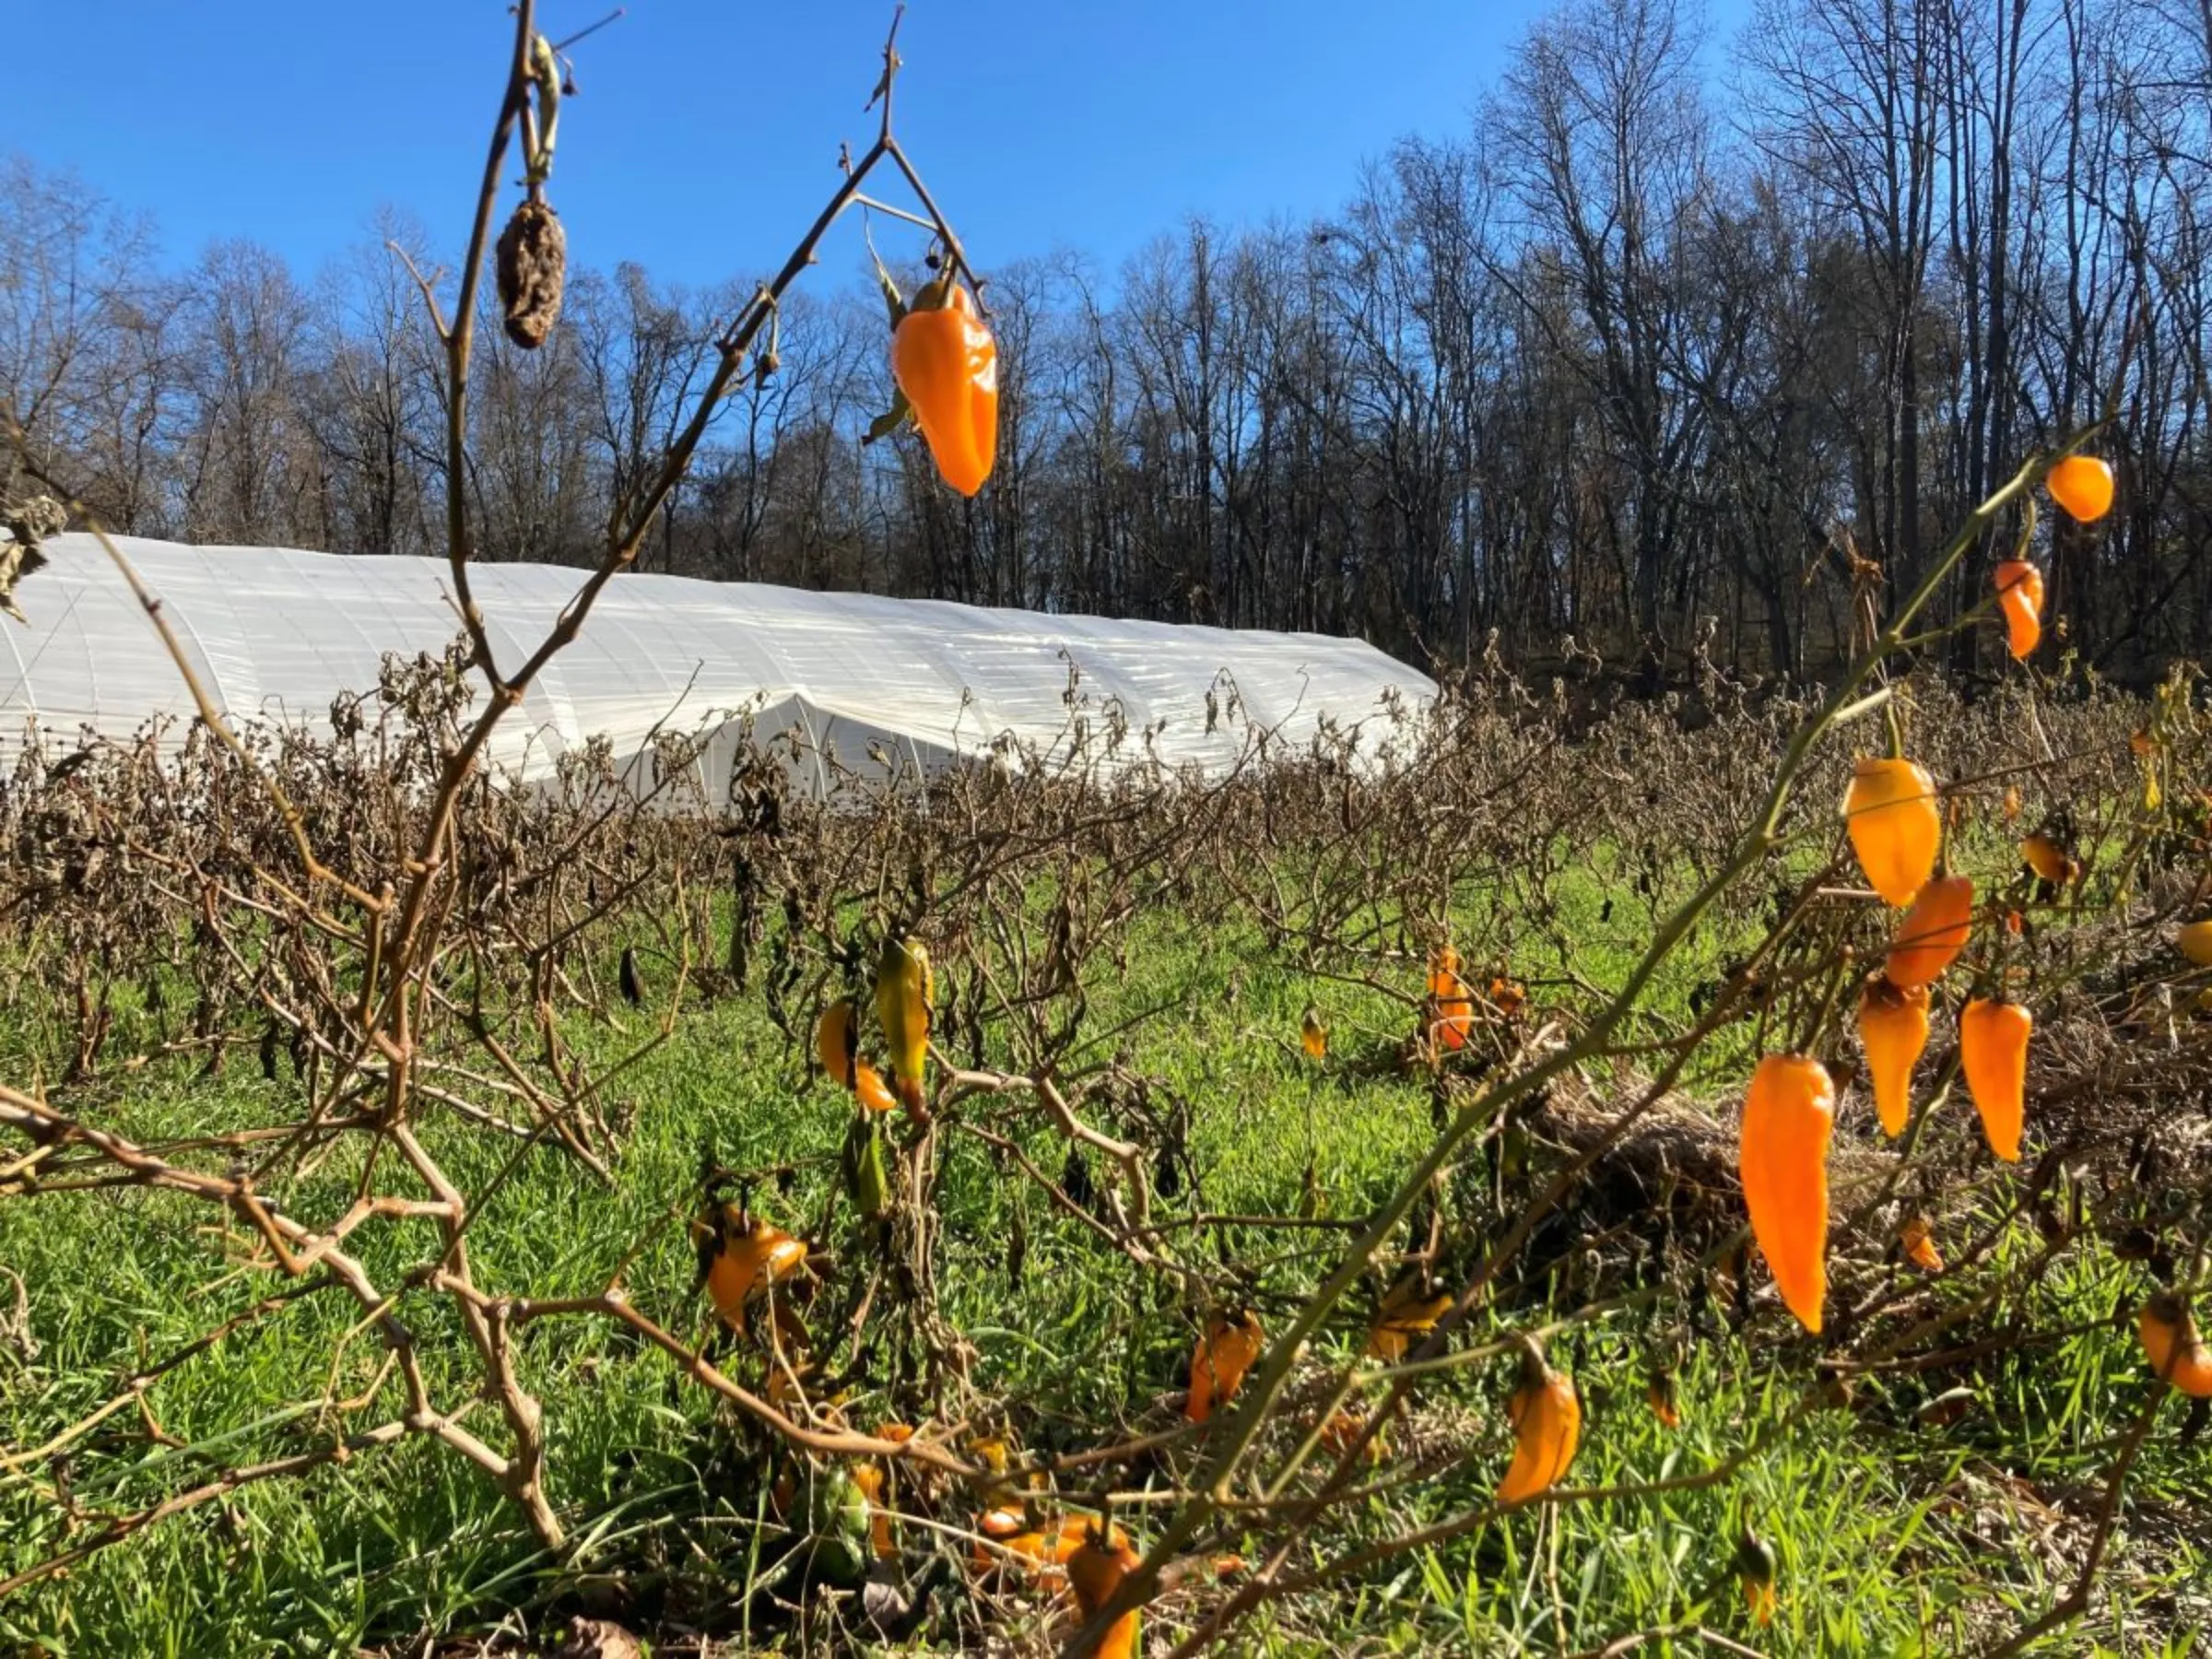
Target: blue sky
<point x="706" y="135"/>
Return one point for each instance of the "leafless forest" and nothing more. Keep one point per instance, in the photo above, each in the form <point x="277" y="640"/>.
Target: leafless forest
<point x="1679" y="325"/>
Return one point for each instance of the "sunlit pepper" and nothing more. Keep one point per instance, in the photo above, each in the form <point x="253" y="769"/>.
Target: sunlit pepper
<point x="947" y="364"/>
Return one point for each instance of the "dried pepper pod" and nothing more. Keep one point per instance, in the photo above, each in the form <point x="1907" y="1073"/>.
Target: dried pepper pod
<point x="530" y="264"/>
<point x="1343" y="1429"/>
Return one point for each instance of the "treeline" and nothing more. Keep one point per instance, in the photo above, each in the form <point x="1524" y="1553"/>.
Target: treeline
<point x="1651" y="362"/>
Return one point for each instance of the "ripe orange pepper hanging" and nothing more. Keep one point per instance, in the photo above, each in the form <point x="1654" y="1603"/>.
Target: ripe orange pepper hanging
<point x="946" y="363"/>
<point x="2083" y="485"/>
<point x="1895" y="828"/>
<point x="1789" y="1116"/>
<point x="1893" y="1026"/>
<point x="1932" y="933"/>
<point x="2171" y="1344"/>
<point x="1546" y="1416"/>
<point x="2020" y="598"/>
<point x="1232" y="1341"/>
<point x="1992" y="1051"/>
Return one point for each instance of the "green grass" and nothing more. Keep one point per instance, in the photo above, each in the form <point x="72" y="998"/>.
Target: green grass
<point x="1893" y="1538"/>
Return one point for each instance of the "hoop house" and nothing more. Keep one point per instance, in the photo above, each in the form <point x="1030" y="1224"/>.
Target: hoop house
<point x="835" y="687"/>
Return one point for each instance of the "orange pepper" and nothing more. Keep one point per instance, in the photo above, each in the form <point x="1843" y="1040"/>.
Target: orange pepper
<point x="946" y="363"/>
<point x="875" y="1093"/>
<point x="870" y="1479"/>
<point x="2020" y="598"/>
<point x="836" y="1042"/>
<point x="1546" y="1416"/>
<point x="1932" y="933"/>
<point x="1789" y="1116"/>
<point x="1343" y="1428"/>
<point x="1231" y="1342"/>
<point x="1992" y="1051"/>
<point x="1920" y="1245"/>
<point x="1893" y="1027"/>
<point x="1094" y="1572"/>
<point x="1039" y="1552"/>
<point x="1455" y="1009"/>
<point x="2177" y="1354"/>
<point x="743" y="1254"/>
<point x="1755" y="1571"/>
<point x="1313" y="1036"/>
<point x="1895" y="828"/>
<point x="2083" y="485"/>
<point x="2048" y="859"/>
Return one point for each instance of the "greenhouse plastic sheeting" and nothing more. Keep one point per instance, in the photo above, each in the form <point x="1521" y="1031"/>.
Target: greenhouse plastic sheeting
<point x="835" y="686"/>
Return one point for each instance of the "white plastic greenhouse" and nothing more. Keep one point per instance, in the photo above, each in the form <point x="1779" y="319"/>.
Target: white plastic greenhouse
<point x="838" y="687"/>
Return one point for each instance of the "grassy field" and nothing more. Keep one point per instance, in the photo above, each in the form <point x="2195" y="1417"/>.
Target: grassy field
<point x="1894" y="1535"/>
